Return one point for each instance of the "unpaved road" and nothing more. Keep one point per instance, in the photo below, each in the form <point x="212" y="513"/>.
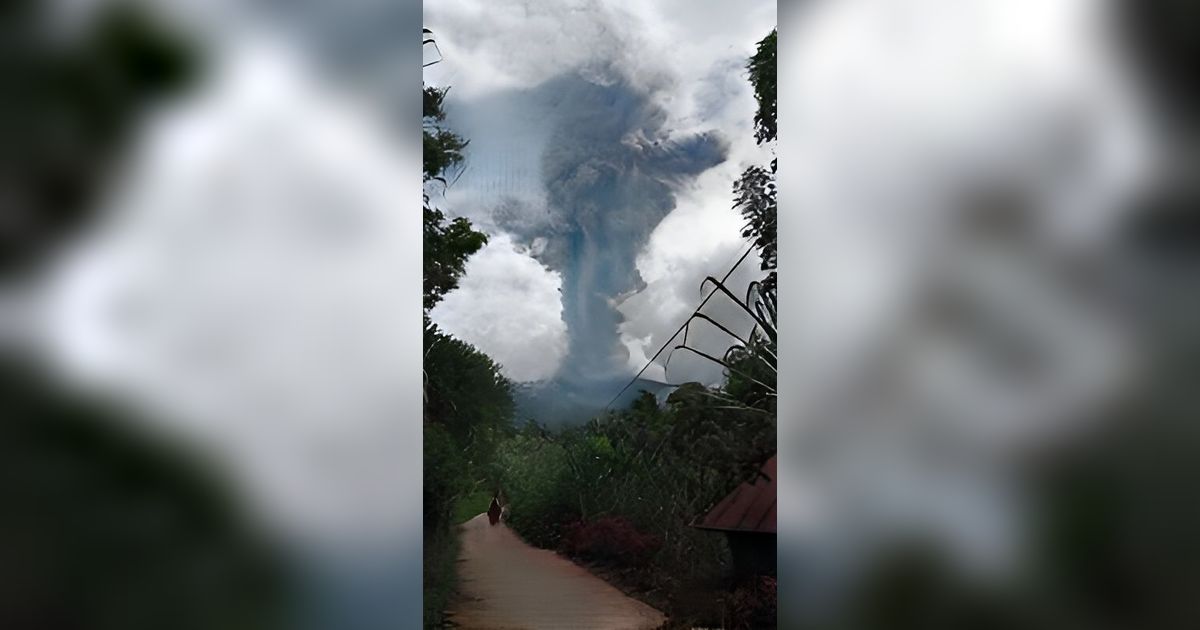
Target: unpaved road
<point x="504" y="584"/>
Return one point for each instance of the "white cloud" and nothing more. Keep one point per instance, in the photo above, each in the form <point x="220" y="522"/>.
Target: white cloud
<point x="509" y="306"/>
<point x="494" y="45"/>
<point x="701" y="237"/>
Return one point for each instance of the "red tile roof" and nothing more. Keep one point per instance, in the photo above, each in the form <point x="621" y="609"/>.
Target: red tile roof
<point x="749" y="508"/>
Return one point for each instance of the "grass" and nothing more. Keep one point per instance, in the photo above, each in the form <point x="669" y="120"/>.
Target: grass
<point x="472" y="505"/>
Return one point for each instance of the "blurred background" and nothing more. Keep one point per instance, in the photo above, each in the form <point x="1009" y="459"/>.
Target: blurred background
<point x="211" y="315"/>
<point x="211" y="364"/>
<point x="988" y="266"/>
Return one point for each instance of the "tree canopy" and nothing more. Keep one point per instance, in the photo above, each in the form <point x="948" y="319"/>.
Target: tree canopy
<point x="448" y="243"/>
<point x="754" y="191"/>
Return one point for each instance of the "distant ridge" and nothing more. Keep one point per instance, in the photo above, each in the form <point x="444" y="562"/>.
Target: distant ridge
<point x="559" y="403"/>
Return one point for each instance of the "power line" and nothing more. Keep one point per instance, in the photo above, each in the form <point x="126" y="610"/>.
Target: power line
<point x="681" y="327"/>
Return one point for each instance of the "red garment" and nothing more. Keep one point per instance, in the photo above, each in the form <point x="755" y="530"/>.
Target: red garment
<point x="494" y="512"/>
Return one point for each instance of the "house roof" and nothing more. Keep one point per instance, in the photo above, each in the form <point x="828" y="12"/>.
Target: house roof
<point x="749" y="508"/>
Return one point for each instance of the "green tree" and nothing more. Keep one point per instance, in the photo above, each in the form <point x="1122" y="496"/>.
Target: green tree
<point x="448" y="243"/>
<point x="763" y="73"/>
<point x="467" y="395"/>
<point x="754" y="191"/>
<point x="442" y="149"/>
<point x="447" y="246"/>
<point x="751" y="366"/>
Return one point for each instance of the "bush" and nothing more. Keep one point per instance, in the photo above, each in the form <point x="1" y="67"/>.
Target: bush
<point x="443" y="479"/>
<point x="440" y="578"/>
<point x="753" y="605"/>
<point x="610" y="539"/>
<point x="537" y="484"/>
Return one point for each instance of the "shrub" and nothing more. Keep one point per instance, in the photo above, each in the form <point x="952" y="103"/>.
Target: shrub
<point x="537" y="484"/>
<point x="753" y="604"/>
<point x="610" y="539"/>
<point x="443" y="479"/>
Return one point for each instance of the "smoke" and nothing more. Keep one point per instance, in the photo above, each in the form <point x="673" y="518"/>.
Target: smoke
<point x="595" y="144"/>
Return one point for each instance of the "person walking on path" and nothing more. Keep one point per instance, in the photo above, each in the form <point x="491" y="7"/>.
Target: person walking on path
<point x="494" y="511"/>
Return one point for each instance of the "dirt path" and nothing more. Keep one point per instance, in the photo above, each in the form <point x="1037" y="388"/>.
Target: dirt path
<point x="505" y="584"/>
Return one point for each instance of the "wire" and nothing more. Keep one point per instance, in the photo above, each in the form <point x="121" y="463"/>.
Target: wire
<point x="681" y="328"/>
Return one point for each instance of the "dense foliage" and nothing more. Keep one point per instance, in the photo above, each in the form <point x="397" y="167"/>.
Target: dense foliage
<point x="447" y="242"/>
<point x="754" y="194"/>
<point x="468" y="409"/>
<point x="763" y="78"/>
<point x="447" y="245"/>
<point x="624" y="489"/>
<point x="657" y="466"/>
<point x="754" y="191"/>
<point x="442" y="149"/>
